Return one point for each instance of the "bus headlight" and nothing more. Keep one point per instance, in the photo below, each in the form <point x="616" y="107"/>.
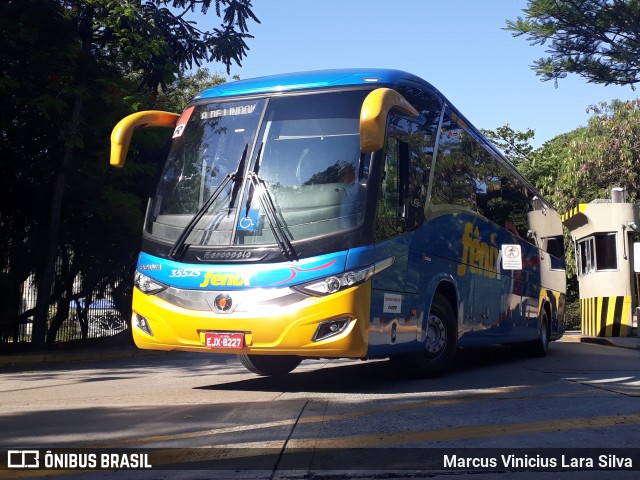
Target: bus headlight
<point x="147" y="285"/>
<point x="335" y="283"/>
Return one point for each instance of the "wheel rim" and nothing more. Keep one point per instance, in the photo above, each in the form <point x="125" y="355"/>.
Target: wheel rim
<point x="436" y="336"/>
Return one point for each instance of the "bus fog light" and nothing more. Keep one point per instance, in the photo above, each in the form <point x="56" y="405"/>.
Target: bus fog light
<point x="330" y="328"/>
<point x="142" y="323"/>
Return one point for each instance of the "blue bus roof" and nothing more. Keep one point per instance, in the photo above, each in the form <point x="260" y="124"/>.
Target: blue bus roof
<point x="309" y="80"/>
<point x="326" y="79"/>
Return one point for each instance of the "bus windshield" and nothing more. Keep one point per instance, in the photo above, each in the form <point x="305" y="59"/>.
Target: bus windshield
<point x="300" y="154"/>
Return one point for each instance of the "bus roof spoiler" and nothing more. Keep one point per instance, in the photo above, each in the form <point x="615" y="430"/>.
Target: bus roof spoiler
<point x="123" y="131"/>
<point x="373" y="116"/>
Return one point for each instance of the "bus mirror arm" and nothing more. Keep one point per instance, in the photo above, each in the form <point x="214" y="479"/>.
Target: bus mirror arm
<point x="123" y="131"/>
<point x="374" y="113"/>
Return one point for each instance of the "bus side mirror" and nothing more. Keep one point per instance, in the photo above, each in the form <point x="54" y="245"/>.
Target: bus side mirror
<point x="123" y="131"/>
<point x="373" y="116"/>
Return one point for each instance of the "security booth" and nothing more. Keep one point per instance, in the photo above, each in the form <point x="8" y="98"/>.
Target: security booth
<point x="605" y="236"/>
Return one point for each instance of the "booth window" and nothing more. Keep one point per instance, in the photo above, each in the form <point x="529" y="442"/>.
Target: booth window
<point x="597" y="253"/>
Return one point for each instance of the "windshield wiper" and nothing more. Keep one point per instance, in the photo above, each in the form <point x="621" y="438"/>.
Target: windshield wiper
<point x="256" y="169"/>
<point x="179" y="247"/>
<point x="270" y="211"/>
<point x="237" y="179"/>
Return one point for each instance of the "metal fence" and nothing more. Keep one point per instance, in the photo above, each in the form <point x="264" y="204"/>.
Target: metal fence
<point x="93" y="319"/>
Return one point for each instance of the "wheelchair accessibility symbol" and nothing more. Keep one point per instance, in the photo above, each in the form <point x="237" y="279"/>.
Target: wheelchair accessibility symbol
<point x="249" y="222"/>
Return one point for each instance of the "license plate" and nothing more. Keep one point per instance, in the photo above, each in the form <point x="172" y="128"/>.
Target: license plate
<point x="233" y="341"/>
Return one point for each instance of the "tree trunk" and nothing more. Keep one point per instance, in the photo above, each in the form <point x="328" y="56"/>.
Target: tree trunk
<point x="47" y="277"/>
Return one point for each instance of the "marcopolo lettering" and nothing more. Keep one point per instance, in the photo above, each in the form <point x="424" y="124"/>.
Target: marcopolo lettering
<point x="239" y="255"/>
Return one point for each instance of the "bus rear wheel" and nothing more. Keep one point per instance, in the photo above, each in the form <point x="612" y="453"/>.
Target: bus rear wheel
<point x="269" y="365"/>
<point x="540" y="346"/>
<point x="440" y="346"/>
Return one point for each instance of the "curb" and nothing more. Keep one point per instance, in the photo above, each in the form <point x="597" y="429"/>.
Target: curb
<point x="117" y="353"/>
<point x="75" y="356"/>
<point x="633" y="344"/>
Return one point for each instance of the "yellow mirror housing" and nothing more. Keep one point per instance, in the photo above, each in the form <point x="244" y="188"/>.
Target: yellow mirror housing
<point x="123" y="131"/>
<point x="373" y="116"/>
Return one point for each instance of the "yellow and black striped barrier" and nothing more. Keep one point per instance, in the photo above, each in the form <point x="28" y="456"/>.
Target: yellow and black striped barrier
<point x="606" y="316"/>
<point x="575" y="217"/>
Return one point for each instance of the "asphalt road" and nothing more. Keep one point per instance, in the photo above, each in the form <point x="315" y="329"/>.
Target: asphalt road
<point x="201" y="416"/>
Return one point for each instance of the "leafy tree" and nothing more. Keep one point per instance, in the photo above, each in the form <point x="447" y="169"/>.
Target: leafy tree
<point x="186" y="86"/>
<point x="583" y="165"/>
<point x="541" y="170"/>
<point x="596" y="39"/>
<point x="515" y="145"/>
<point x="30" y="131"/>
<point x="590" y="160"/>
<point x="69" y="69"/>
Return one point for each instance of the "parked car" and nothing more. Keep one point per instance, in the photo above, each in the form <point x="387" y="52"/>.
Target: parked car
<point x="103" y="317"/>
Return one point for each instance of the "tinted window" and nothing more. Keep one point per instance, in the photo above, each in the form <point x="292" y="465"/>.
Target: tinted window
<point x="468" y="176"/>
<point x="454" y="179"/>
<point x="419" y="136"/>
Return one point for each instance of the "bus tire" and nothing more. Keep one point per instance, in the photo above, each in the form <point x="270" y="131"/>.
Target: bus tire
<point x="440" y="347"/>
<point x="269" y="365"/>
<point x="540" y="346"/>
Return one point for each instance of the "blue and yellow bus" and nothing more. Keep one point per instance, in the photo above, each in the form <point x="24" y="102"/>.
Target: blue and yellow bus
<point x="340" y="214"/>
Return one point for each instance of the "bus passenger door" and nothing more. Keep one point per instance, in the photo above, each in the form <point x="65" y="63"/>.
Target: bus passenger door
<point x="393" y="130"/>
<point x="394" y="304"/>
<point x="389" y="222"/>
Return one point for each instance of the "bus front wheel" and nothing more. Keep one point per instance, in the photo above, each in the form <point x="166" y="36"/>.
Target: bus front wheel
<point x="269" y="365"/>
<point x="440" y="346"/>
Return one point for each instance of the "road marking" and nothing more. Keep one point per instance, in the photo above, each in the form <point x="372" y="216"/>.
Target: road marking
<point x="476" y="397"/>
<point x="384" y="439"/>
<point x="252" y="449"/>
<point x="465" y="433"/>
<point x="479" y="396"/>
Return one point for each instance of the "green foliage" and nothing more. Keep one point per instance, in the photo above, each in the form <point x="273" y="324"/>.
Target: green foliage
<point x="185" y="87"/>
<point x="591" y="160"/>
<point x="69" y="70"/>
<point x="597" y="39"/>
<point x="515" y="145"/>
<point x="158" y="41"/>
<point x="586" y="163"/>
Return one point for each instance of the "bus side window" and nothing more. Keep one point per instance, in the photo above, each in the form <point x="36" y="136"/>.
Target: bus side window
<point x="516" y="204"/>
<point x="468" y="176"/>
<point x="454" y="181"/>
<point x="420" y="137"/>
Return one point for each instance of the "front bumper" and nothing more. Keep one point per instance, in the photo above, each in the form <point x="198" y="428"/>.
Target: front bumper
<point x="268" y="329"/>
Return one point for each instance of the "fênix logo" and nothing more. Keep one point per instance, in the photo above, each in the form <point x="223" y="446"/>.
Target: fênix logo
<point x="23" y="459"/>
